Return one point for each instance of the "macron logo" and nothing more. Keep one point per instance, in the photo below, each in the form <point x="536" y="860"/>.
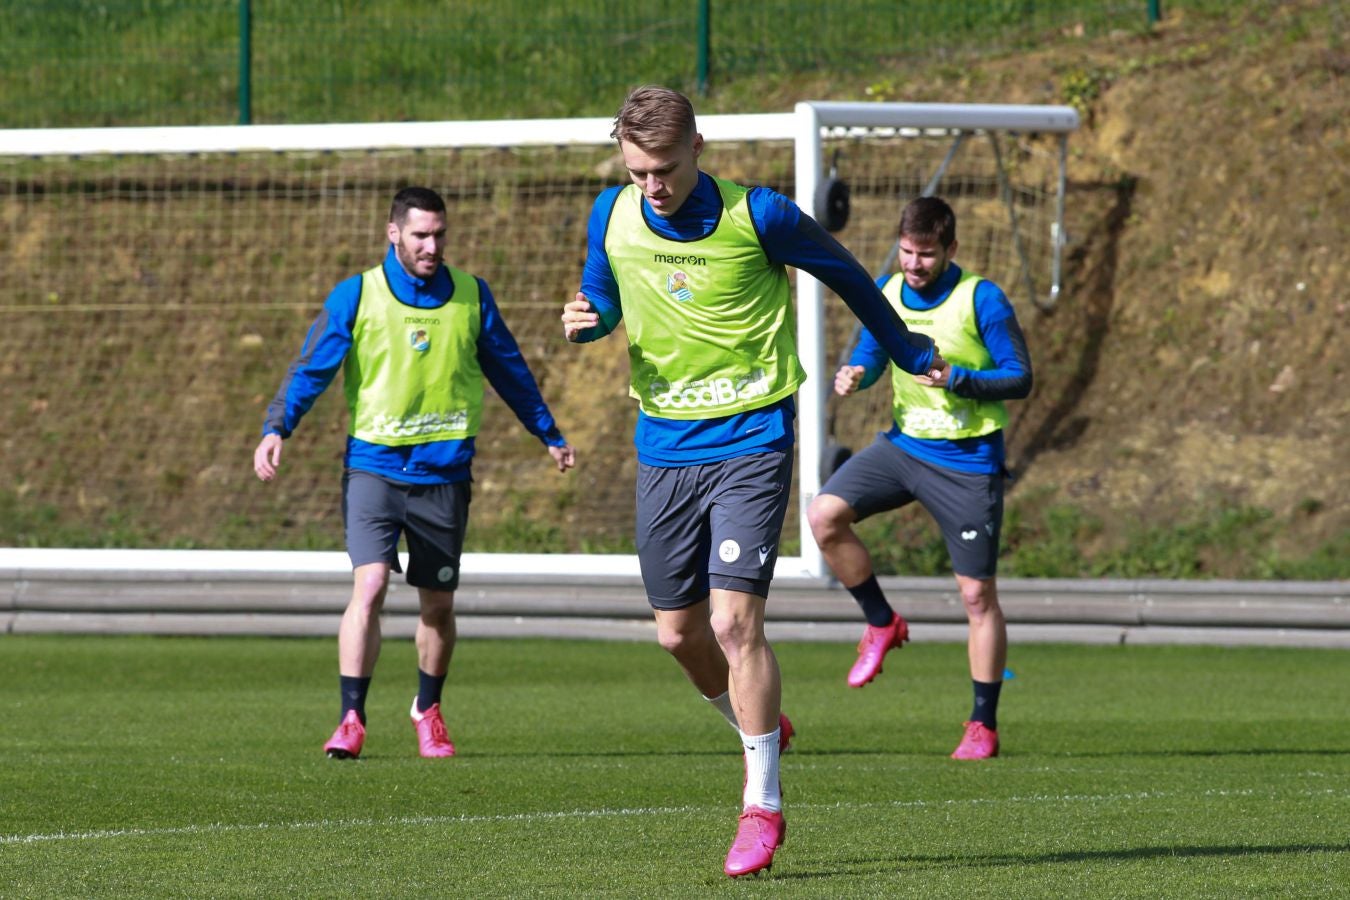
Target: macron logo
<point x="764" y="554"/>
<point x="679" y="260"/>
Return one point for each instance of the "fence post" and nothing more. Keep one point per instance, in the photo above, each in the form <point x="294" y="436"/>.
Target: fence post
<point x="245" y="62"/>
<point x="704" y="42"/>
<point x="1154" y="12"/>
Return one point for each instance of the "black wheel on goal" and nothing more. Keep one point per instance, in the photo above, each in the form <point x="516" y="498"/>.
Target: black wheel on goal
<point x="832" y="206"/>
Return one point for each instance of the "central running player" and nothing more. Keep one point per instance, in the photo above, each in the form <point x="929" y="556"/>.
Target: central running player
<point x="696" y="268"/>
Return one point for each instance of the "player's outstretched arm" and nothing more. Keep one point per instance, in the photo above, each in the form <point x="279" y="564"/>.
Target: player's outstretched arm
<point x="792" y="238"/>
<point x="578" y="316"/>
<point x="267" y="457"/>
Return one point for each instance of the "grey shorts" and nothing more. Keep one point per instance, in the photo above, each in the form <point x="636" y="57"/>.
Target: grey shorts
<point x="714" y="525"/>
<point x="432" y="517"/>
<point x="967" y="506"/>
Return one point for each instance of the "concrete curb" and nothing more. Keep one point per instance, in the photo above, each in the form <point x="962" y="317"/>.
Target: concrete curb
<point x="308" y="601"/>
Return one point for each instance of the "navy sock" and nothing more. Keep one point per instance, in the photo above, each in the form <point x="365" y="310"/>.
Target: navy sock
<point x="986" y="703"/>
<point x="873" y="602"/>
<point x="354" y="695"/>
<point x="428" y="690"/>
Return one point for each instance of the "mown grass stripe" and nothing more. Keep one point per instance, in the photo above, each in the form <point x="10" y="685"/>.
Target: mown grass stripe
<point x="404" y="821"/>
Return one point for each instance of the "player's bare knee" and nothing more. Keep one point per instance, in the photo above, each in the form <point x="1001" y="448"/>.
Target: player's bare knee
<point x="829" y="518"/>
<point x="980" y="599"/>
<point x="735" y="632"/>
<point x="437" y="611"/>
<point x="436" y="602"/>
<point x="370" y="605"/>
<point x="818" y="517"/>
<point x="369" y="587"/>
<point x="673" y="642"/>
<point x="681" y="643"/>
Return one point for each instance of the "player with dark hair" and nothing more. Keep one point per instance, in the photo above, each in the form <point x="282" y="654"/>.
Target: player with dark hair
<point x="944" y="449"/>
<point x="695" y="266"/>
<point x="416" y="339"/>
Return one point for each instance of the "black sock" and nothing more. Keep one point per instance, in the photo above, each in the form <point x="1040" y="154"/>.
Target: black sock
<point x="986" y="703"/>
<point x="428" y="690"/>
<point x="873" y="602"/>
<point x="354" y="695"/>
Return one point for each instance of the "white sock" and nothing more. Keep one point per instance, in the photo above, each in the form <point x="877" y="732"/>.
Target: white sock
<point x="761" y="771"/>
<point x="723" y="704"/>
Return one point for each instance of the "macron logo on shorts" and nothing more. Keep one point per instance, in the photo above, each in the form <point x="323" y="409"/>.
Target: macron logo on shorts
<point x="764" y="553"/>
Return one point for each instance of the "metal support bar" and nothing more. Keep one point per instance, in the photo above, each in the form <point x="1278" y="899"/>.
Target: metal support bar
<point x="1005" y="189"/>
<point x="931" y="188"/>
<point x="1057" y="235"/>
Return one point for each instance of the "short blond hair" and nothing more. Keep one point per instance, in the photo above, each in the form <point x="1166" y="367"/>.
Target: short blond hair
<point x="655" y="118"/>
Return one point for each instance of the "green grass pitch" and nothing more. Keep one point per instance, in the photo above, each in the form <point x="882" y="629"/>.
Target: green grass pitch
<point x="174" y="767"/>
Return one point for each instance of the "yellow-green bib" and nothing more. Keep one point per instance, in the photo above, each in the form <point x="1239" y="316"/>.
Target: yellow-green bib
<point x="710" y="323"/>
<point x="412" y="375"/>
<point x="932" y="413"/>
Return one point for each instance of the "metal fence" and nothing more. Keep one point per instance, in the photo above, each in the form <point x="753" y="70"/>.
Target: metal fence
<point x="194" y="62"/>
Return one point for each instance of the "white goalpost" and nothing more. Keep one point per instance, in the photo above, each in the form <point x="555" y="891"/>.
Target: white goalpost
<point x="208" y="235"/>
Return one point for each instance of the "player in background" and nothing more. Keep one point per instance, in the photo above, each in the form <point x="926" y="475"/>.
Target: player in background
<point x="944" y="449"/>
<point x="416" y="338"/>
<point x="695" y="267"/>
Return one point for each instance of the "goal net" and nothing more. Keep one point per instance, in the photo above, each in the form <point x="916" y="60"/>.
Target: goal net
<point x="155" y="283"/>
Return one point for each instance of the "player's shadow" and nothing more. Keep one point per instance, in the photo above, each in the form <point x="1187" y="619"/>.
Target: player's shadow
<point x="685" y="752"/>
<point x="1204" y="753"/>
<point x="873" y="865"/>
<point x="672" y="752"/>
<point x="1053" y="422"/>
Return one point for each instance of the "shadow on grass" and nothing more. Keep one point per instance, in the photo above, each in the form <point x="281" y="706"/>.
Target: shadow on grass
<point x="833" y="753"/>
<point x="1252" y="751"/>
<point x="877" y="865"/>
<point x="675" y="752"/>
<point x="550" y="753"/>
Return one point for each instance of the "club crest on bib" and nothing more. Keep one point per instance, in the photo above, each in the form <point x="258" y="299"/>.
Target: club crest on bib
<point x="420" y="340"/>
<point x="677" y="285"/>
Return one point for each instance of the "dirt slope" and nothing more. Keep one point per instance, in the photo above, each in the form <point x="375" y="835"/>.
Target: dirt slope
<point x="1199" y="360"/>
<point x="1209" y="301"/>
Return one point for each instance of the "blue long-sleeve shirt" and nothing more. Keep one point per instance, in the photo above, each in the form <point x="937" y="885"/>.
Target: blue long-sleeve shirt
<point x="436" y="462"/>
<point x="1009" y="379"/>
<point x="789" y="238"/>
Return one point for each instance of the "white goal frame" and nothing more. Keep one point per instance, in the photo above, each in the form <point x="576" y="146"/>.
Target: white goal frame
<point x="815" y="121"/>
<point x="808" y="126"/>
